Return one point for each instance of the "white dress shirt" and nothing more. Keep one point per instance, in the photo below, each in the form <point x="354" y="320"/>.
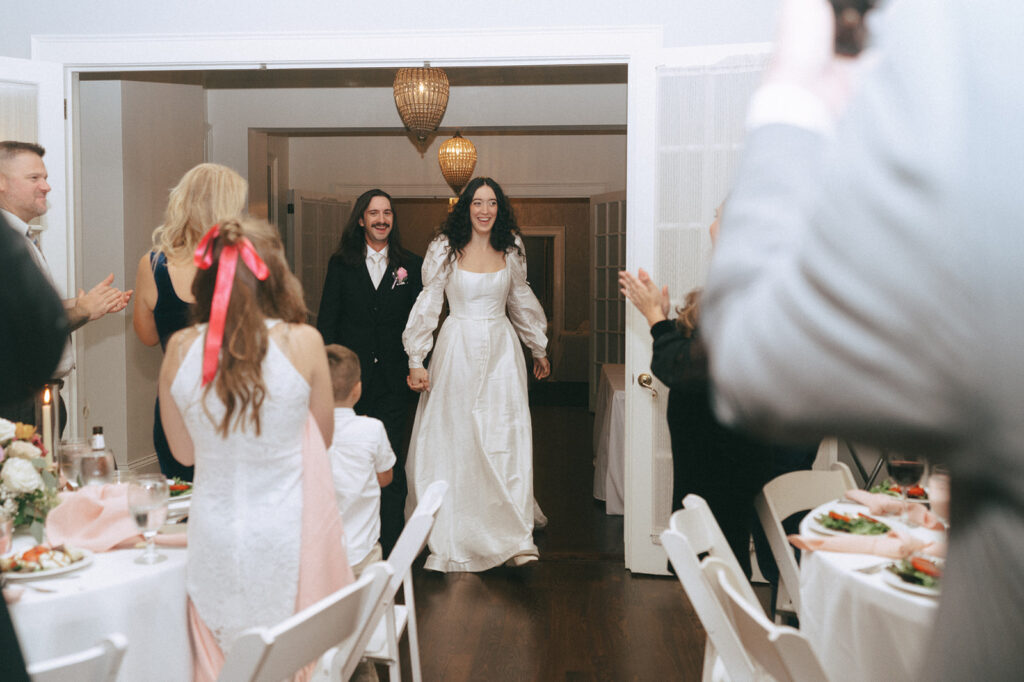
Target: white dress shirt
<point x="359" y="451"/>
<point x="376" y="264"/>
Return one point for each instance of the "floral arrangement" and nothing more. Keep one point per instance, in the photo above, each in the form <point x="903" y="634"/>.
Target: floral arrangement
<point x="401" y="276"/>
<point x="28" y="486"/>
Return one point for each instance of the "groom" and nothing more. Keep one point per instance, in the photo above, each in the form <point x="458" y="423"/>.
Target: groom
<point x="371" y="285"/>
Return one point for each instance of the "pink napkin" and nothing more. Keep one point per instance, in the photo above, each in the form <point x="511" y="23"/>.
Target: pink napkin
<point x="97" y="518"/>
<point x="879" y="503"/>
<point x="894" y="545"/>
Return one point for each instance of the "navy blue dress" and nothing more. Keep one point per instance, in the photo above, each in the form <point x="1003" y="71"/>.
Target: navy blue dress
<point x="170" y="314"/>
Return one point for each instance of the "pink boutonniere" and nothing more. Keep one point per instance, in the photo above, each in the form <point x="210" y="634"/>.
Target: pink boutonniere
<point x="401" y="276"/>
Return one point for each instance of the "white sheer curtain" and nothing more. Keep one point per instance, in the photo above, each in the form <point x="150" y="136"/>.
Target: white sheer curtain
<point x="18" y="116"/>
<point x="700" y="130"/>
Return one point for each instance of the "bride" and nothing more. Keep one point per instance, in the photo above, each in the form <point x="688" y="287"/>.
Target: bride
<point x="472" y="425"/>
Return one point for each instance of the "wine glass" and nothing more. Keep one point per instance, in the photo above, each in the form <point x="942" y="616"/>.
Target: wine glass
<point x="906" y="471"/>
<point x="147" y="501"/>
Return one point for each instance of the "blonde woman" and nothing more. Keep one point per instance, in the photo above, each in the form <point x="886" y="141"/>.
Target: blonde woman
<point x="163" y="284"/>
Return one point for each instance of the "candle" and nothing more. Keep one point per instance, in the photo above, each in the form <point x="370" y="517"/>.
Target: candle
<point x="48" y="425"/>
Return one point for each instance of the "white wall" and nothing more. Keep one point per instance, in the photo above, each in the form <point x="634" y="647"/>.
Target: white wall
<point x="232" y="112"/>
<point x="141" y="139"/>
<point x="686" y="22"/>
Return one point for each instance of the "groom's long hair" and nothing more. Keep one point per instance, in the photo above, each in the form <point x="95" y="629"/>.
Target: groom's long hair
<point x="352" y="247"/>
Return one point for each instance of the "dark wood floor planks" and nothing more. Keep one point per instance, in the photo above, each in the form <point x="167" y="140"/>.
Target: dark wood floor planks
<point x="578" y="614"/>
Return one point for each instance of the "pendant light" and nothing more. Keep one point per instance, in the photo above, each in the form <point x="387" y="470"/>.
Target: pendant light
<point x="421" y="95"/>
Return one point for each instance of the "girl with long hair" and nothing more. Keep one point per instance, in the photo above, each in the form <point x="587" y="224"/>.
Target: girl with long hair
<point x="473" y="425"/>
<point x="245" y="396"/>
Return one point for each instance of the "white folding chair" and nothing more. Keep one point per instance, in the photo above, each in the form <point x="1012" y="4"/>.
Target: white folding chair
<point x="782" y="652"/>
<point x="693" y="532"/>
<point x="784" y="496"/>
<point x="383" y="647"/>
<point x="98" y="663"/>
<point x="342" y="620"/>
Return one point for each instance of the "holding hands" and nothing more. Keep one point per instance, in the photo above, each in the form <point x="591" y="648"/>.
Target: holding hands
<point x="418" y="379"/>
<point x="541" y="368"/>
<point x="652" y="302"/>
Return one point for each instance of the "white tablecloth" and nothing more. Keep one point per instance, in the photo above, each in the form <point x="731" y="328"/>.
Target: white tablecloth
<point x="147" y="604"/>
<point x="860" y="627"/>
<point x="610" y="438"/>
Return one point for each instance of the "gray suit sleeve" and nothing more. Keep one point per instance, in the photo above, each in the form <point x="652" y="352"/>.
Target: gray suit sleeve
<point x="830" y="296"/>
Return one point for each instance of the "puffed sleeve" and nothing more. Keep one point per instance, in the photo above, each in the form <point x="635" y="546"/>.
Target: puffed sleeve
<point x="418" y="336"/>
<point x="524" y="310"/>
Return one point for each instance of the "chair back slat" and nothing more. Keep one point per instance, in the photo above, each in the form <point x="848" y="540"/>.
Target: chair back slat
<point x="780" y="651"/>
<point x="696" y="521"/>
<point x="340" y="620"/>
<point x="786" y="495"/>
<point x="99" y="663"/>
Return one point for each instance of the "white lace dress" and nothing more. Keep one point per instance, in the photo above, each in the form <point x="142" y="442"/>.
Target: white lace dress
<point x="473" y="427"/>
<point x="245" y="518"/>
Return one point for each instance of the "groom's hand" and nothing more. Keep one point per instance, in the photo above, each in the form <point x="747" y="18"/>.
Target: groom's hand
<point x="418" y="380"/>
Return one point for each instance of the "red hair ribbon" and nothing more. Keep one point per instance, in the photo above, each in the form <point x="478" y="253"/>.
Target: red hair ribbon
<point x="222" y="289"/>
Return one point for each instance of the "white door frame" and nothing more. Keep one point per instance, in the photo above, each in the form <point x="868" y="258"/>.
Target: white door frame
<point x="640" y="47"/>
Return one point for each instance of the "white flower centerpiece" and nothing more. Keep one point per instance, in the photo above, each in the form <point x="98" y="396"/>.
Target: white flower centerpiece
<point x="28" y="485"/>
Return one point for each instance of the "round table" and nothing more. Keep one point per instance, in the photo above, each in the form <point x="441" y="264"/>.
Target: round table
<point x="861" y="627"/>
<point x="145" y="603"/>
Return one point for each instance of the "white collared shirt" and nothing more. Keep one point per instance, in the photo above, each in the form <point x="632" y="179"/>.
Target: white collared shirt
<point x="376" y="264"/>
<point x="359" y="451"/>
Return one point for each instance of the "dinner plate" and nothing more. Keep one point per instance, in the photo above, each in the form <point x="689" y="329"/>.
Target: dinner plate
<point x="50" y="572"/>
<point x="899" y="583"/>
<point x="815" y="526"/>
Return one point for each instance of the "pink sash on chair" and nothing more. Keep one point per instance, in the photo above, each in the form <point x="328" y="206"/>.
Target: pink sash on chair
<point x="324" y="568"/>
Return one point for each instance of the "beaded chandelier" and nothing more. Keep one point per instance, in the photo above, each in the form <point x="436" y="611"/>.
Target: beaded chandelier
<point x="421" y="95"/>
<point x="457" y="157"/>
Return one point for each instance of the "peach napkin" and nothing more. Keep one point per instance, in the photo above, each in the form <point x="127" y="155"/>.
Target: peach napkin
<point x="97" y="518"/>
<point x="880" y="503"/>
<point x="893" y="545"/>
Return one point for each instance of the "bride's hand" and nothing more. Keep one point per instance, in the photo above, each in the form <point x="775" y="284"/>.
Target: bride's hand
<point x="541" y="367"/>
<point x="418" y="380"/>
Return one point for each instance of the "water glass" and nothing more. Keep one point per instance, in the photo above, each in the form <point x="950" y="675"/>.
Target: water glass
<point x="147" y="501"/>
<point x="68" y="457"/>
<point x="96" y="467"/>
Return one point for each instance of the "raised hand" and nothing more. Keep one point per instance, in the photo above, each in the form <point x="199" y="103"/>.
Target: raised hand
<point x="653" y="303"/>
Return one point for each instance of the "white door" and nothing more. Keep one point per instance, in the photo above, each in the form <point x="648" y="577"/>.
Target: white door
<point x="32" y="110"/>
<point x="696" y="116"/>
<point x="315" y="234"/>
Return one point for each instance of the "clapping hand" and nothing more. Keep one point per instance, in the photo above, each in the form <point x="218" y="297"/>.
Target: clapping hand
<point x="653" y="303"/>
<point x="102" y="299"/>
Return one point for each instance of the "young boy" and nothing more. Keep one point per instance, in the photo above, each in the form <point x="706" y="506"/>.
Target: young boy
<point x="361" y="461"/>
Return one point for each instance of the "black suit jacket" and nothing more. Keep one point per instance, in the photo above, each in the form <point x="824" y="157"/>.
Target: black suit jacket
<point x="370" y="322"/>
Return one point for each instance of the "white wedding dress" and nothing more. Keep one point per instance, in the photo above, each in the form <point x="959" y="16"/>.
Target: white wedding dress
<point x="473" y="427"/>
<point x="246" y="511"/>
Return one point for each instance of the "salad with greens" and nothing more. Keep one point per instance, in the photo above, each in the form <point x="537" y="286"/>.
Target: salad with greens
<point x="888" y="487"/>
<point x="179" y="486"/>
<point x="918" y="571"/>
<point x="861" y="524"/>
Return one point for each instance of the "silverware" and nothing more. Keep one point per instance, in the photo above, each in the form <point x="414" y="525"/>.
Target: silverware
<point x="873" y="568"/>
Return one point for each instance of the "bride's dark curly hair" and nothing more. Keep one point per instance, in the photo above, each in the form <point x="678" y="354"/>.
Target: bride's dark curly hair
<point x="458" y="227"/>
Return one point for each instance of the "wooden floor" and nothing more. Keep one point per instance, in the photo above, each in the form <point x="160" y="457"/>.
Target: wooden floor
<point x="577" y="614"/>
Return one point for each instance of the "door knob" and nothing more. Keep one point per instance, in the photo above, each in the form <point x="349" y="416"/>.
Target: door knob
<point x="647" y="382"/>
